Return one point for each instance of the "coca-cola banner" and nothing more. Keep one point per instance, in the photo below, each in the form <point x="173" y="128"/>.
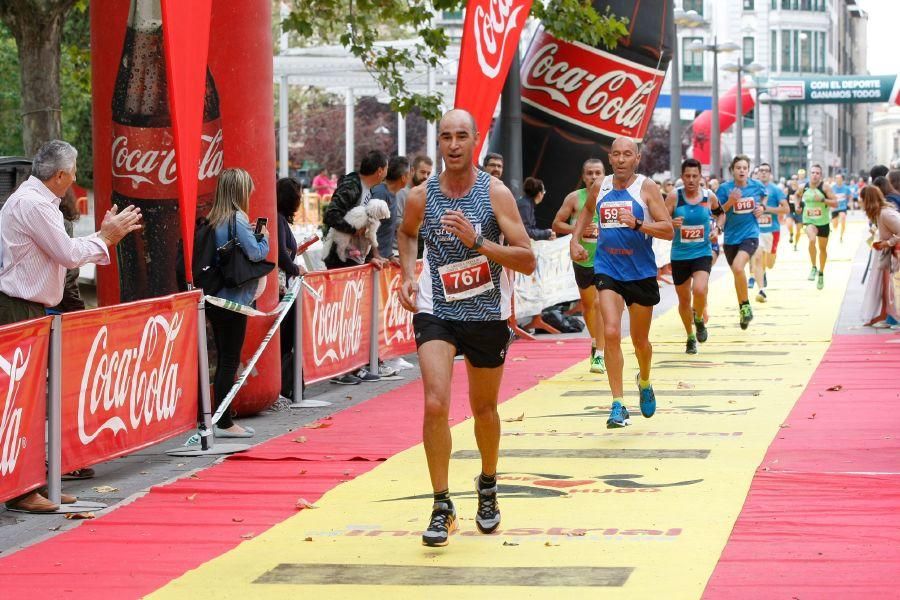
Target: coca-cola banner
<point x="577" y="99"/>
<point x="336" y="328"/>
<point x="130" y="377"/>
<point x="134" y="153"/>
<point x="23" y="385"/>
<point x="490" y="40"/>
<point x="395" y="329"/>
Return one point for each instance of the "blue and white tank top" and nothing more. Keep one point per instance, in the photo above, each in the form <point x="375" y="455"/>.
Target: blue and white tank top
<point x="623" y="253"/>
<point x="692" y="238"/>
<point x="457" y="283"/>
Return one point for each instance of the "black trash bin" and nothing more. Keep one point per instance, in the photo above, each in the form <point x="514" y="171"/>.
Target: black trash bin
<point x="13" y="171"/>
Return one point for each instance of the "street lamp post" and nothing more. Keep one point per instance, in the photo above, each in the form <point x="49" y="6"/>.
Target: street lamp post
<point x="765" y="88"/>
<point x="740" y="69"/>
<point x="682" y="19"/>
<point x="715" y="48"/>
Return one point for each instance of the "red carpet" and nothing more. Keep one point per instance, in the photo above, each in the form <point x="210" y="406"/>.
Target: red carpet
<point x="822" y="519"/>
<point x="140" y="547"/>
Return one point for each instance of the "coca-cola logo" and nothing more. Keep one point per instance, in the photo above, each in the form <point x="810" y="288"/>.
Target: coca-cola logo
<point x="337" y="324"/>
<point x="147" y="156"/>
<point x="598" y="90"/>
<point x="396" y="320"/>
<point x="142" y="377"/>
<point x="492" y="30"/>
<point x="11" y="441"/>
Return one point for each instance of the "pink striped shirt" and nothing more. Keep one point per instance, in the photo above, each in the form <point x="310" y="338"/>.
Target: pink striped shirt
<point x="34" y="246"/>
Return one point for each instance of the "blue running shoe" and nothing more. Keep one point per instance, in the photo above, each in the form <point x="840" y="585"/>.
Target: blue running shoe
<point x="648" y="398"/>
<point x="618" y="416"/>
<point x="751" y="282"/>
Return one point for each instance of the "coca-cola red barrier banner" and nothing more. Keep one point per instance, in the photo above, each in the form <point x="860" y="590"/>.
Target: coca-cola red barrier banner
<point x="336" y="329"/>
<point x="23" y="385"/>
<point x="576" y="99"/>
<point x="130" y="377"/>
<point x="134" y="156"/>
<point x="395" y="329"/>
<point x="490" y="40"/>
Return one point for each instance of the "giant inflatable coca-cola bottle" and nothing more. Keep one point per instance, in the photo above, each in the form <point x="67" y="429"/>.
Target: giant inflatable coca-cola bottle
<point x="577" y="99"/>
<point x="143" y="157"/>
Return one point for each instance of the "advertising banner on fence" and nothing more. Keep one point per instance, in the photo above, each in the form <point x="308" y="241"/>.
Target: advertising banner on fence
<point x="336" y="328"/>
<point x="130" y="377"/>
<point x="23" y="385"/>
<point x="552" y="282"/>
<point x="395" y="331"/>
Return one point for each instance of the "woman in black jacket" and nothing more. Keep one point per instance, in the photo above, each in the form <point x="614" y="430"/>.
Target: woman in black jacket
<point x="533" y="189"/>
<point x="288" y="195"/>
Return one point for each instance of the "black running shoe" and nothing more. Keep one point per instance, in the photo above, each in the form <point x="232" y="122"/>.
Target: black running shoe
<point x="702" y="333"/>
<point x="488" y="516"/>
<point x="443" y="523"/>
<point x="691" y="346"/>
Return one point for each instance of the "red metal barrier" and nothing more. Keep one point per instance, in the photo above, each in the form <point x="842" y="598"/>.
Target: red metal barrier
<point x="23" y="383"/>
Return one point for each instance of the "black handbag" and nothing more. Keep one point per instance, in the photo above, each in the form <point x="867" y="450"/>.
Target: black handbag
<point x="237" y="269"/>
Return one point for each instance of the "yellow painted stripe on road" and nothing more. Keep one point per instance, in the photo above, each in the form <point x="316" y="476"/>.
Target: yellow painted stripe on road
<point x="640" y="512"/>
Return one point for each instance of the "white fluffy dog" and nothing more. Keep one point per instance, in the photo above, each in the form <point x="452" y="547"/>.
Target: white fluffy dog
<point x="350" y="247"/>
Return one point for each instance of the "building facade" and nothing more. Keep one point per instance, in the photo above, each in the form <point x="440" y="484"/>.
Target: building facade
<point x="790" y="38"/>
<point x="886" y="136"/>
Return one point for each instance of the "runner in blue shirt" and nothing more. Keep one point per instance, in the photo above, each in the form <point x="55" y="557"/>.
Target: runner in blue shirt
<point x="630" y="213"/>
<point x="742" y="202"/>
<point x="769" y="230"/>
<point x="691" y="208"/>
<point x="844" y="194"/>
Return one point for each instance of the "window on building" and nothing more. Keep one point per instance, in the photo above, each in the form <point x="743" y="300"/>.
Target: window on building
<point x="748" y="4"/>
<point x="786" y="50"/>
<point x="691" y="60"/>
<point x="795" y="54"/>
<point x="805" y="4"/>
<point x="806" y="41"/>
<point x="822" y="35"/>
<point x="773" y="51"/>
<point x="693" y="5"/>
<point x="793" y="121"/>
<point x="749" y="50"/>
<point x="791" y="158"/>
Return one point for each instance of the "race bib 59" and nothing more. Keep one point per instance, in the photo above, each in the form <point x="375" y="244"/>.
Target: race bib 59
<point x="611" y="213"/>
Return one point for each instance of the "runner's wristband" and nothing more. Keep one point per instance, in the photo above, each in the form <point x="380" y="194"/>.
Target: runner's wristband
<point x="479" y="242"/>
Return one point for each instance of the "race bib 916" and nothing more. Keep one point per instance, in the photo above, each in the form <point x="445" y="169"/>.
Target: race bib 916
<point x="744" y="206"/>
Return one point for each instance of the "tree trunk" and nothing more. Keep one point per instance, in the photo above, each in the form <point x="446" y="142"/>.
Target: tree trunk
<point x="37" y="26"/>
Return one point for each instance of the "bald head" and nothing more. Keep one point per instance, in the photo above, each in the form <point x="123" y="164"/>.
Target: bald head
<point x="623" y="143"/>
<point x="623" y="158"/>
<point x="458" y="117"/>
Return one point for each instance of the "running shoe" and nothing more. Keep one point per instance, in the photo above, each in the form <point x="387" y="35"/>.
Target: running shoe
<point x="388" y="372"/>
<point x="812" y="274"/>
<point x="765" y="280"/>
<point x="443" y="523"/>
<point x="761" y="296"/>
<point x="366" y="376"/>
<point x="820" y="282"/>
<point x="746" y="315"/>
<point x="618" y="416"/>
<point x="691" y="346"/>
<point x="751" y="282"/>
<point x="598" y="364"/>
<point x="348" y="379"/>
<point x="648" y="398"/>
<point x="702" y="333"/>
<point x="487" y="519"/>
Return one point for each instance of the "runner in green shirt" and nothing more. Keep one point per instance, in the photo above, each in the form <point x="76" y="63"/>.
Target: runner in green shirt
<point x="816" y="200"/>
<point x="564" y="224"/>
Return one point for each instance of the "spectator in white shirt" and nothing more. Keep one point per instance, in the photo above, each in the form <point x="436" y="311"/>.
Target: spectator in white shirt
<point x="35" y="250"/>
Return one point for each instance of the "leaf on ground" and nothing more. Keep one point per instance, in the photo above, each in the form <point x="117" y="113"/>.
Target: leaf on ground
<point x="194" y="476"/>
<point x="145" y="472"/>
<point x="190" y="498"/>
<point x="346" y="473"/>
<point x="105" y="489"/>
<point x="304" y="503"/>
<point x="836" y="388"/>
<point x="301" y="439"/>
<point x="510" y="544"/>
<point x="520" y="358"/>
<point x="307" y="539"/>
<point x="303" y="471"/>
<point x="560" y="343"/>
<point x="237" y="520"/>
<point x="247" y="536"/>
<point x="549" y="544"/>
<point x="180" y="465"/>
<point x="784" y="426"/>
<point x="576" y="533"/>
<point x="812" y="417"/>
<point x="682" y="385"/>
<point x="54" y="528"/>
<point x="515" y="419"/>
<point x="81" y="515"/>
<point x="316" y="425"/>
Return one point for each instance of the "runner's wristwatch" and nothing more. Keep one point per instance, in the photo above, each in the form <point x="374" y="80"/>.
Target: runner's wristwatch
<point x="479" y="242"/>
<point x="638" y="223"/>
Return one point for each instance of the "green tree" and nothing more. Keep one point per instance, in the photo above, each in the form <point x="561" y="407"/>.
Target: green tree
<point x="359" y="24"/>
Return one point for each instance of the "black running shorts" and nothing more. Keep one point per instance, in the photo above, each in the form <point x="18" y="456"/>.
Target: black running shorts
<point x="584" y="276"/>
<point x="483" y="343"/>
<point x="683" y="269"/>
<point x="750" y="246"/>
<point x="644" y="292"/>
<point x="822" y="231"/>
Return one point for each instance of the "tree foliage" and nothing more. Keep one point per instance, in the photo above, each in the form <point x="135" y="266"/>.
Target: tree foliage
<point x="360" y="24"/>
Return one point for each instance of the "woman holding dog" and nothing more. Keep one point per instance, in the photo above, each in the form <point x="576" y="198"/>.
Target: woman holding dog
<point x="228" y="217"/>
